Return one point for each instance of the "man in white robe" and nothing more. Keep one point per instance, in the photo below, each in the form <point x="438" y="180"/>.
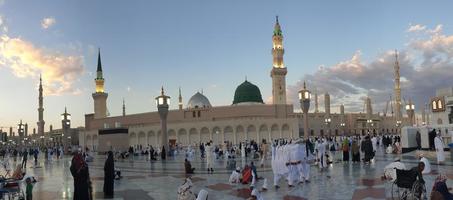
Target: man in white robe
<point x="294" y="160"/>
<point x="439" y="145"/>
<point x="374" y="143"/>
<point x="322" y="153"/>
<point x="209" y="156"/>
<point x="302" y="154"/>
<point x="280" y="169"/>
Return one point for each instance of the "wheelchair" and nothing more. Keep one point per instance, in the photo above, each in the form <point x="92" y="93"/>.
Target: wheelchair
<point x="407" y="187"/>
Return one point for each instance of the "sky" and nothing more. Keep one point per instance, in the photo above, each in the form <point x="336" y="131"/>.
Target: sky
<point x="345" y="48"/>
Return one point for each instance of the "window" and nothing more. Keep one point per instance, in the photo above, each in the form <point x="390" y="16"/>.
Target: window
<point x="439" y="104"/>
<point x="117" y="124"/>
<point x="193" y="114"/>
<point x="106" y="125"/>
<point x="434" y="105"/>
<point x="199" y="113"/>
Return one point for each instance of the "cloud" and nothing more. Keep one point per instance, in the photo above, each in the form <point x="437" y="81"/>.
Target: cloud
<point x="48" y="22"/>
<point x="3" y="27"/>
<point x="59" y="71"/>
<point x="426" y="64"/>
<point x="416" y="28"/>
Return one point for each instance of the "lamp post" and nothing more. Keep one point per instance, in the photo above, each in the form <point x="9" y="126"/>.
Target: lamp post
<point x="327" y="121"/>
<point x="410" y="108"/>
<point x="304" y="98"/>
<point x="163" y="103"/>
<point x="20" y="131"/>
<point x="398" y="124"/>
<point x="369" y="122"/>
<point x="66" y="125"/>
<point x="343" y="125"/>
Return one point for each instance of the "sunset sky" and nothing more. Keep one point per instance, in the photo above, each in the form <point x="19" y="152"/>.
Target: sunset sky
<point x="341" y="47"/>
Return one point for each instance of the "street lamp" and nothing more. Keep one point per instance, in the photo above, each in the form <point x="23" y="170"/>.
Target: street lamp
<point x="410" y="108"/>
<point x="327" y="121"/>
<point x="342" y="124"/>
<point x="304" y="99"/>
<point x="163" y="103"/>
<point x="20" y="130"/>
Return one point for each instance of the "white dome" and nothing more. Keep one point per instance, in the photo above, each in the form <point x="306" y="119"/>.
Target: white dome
<point x="198" y="100"/>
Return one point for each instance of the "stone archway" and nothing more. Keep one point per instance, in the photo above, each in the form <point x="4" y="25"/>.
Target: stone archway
<point x="240" y="135"/>
<point x="183" y="137"/>
<point x="229" y="135"/>
<point x="152" y="138"/>
<point x="217" y="135"/>
<point x="133" y="139"/>
<point x="263" y="133"/>
<point x="205" y="135"/>
<point x="251" y="133"/>
<point x="193" y="136"/>
<point x="285" y="131"/>
<point x="142" y="139"/>
<point x="275" y="132"/>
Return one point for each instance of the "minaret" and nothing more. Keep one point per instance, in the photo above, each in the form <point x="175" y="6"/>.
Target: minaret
<point x="100" y="97"/>
<point x="369" y="109"/>
<point x="65" y="120"/>
<point x="423" y="116"/>
<point x="316" y="102"/>
<point x="40" y="110"/>
<point x="397" y="89"/>
<point x="327" y="103"/>
<point x="124" y="108"/>
<point x="279" y="71"/>
<point x="180" y="99"/>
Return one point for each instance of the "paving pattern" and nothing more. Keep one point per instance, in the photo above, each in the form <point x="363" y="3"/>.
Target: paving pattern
<point x="160" y="179"/>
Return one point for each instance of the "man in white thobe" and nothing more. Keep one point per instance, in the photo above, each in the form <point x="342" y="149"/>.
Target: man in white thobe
<point x="374" y="143"/>
<point x="322" y="153"/>
<point x="209" y="156"/>
<point x="279" y="168"/>
<point x="302" y="154"/>
<point x="294" y="160"/>
<point x="439" y="145"/>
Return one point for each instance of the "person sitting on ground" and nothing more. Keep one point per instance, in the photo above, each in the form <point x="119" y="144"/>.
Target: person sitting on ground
<point x="188" y="167"/>
<point x="184" y="192"/>
<point x="235" y="176"/>
<point x="390" y="169"/>
<point x="246" y="175"/>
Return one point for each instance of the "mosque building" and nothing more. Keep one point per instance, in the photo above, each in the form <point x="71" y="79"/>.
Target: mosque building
<point x="247" y="118"/>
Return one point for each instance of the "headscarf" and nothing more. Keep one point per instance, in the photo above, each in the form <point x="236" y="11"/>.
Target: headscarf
<point x="78" y="162"/>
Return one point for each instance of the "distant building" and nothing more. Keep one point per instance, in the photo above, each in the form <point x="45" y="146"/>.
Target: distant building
<point x="247" y="118"/>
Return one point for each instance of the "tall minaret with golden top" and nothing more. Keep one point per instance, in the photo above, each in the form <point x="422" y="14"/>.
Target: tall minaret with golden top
<point x="100" y="97"/>
<point x="279" y="71"/>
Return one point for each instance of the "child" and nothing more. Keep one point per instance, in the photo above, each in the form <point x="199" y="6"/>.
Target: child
<point x="29" y="189"/>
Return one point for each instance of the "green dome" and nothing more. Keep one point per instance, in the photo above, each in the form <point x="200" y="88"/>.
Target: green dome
<point x="247" y="93"/>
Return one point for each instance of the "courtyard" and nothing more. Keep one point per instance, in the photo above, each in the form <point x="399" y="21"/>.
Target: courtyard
<point x="143" y="179"/>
